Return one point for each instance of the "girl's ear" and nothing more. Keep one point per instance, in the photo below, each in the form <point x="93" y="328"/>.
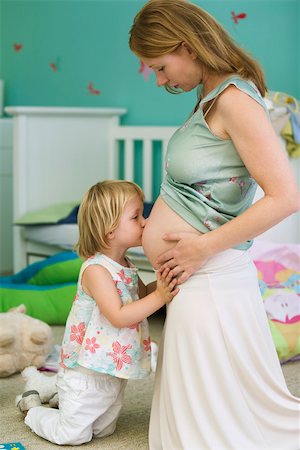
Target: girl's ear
<point x="111" y="235"/>
<point x="186" y="48"/>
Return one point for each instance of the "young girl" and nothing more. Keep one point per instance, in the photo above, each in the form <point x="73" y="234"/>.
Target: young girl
<point x="106" y="340"/>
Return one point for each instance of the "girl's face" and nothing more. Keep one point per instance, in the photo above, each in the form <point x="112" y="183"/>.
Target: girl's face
<point x="130" y="229"/>
<point x="179" y="69"/>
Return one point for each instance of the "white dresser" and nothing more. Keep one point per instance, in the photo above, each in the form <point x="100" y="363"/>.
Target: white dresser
<point x="6" y="197"/>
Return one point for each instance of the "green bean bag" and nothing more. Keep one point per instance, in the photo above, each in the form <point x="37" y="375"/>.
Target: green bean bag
<point x="47" y="288"/>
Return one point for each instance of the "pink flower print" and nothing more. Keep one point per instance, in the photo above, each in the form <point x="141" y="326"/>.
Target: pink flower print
<point x="127" y="280"/>
<point x="63" y="356"/>
<point x="240" y="183"/>
<point x="136" y="327"/>
<point x="199" y="186"/>
<point x="78" y="332"/>
<point x="119" y="355"/>
<point x="91" y="345"/>
<point x="147" y="344"/>
<point x="118" y="290"/>
<point x="209" y="225"/>
<point x="76" y="297"/>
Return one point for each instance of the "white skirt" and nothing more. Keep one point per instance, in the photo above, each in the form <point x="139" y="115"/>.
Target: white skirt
<point x="219" y="383"/>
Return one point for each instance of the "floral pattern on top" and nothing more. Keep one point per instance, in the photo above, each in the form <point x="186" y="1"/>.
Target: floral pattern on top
<point x="91" y="341"/>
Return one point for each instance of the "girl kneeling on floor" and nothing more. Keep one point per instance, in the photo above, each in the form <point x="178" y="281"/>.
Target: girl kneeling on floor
<point x="106" y="341"/>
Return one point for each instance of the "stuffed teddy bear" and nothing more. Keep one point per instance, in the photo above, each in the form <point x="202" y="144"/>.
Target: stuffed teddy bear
<point x="44" y="384"/>
<point x="24" y="341"/>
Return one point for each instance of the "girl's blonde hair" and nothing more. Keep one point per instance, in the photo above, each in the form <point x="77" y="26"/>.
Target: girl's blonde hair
<point x="162" y="26"/>
<point x="100" y="212"/>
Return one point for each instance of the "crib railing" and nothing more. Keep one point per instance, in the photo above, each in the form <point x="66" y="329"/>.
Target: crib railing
<point x="148" y="137"/>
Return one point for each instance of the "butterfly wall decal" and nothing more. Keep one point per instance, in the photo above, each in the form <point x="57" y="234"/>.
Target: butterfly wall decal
<point x="237" y="17"/>
<point x="92" y="90"/>
<point x="17" y="47"/>
<point x="145" y="70"/>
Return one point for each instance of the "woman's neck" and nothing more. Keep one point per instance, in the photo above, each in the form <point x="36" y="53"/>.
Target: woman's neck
<point x="212" y="80"/>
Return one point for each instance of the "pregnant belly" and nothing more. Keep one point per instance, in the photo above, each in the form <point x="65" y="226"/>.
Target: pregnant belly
<point x="162" y="220"/>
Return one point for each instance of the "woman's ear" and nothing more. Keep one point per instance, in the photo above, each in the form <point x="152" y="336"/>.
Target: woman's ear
<point x="186" y="48"/>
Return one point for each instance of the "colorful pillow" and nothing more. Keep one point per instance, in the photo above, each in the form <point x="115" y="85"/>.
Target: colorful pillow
<point x="283" y="311"/>
<point x="278" y="267"/>
<point x="46" y="288"/>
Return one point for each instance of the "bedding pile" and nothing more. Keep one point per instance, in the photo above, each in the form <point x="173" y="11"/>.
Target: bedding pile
<point x="285" y="116"/>
<point x="278" y="267"/>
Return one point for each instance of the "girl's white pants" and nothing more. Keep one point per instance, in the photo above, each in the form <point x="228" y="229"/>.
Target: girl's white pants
<point x="89" y="406"/>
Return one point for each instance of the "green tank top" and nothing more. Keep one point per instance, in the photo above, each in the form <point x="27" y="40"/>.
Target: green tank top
<point x="207" y="183"/>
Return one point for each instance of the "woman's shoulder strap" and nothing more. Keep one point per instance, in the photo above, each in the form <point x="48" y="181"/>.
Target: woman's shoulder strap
<point x="246" y="86"/>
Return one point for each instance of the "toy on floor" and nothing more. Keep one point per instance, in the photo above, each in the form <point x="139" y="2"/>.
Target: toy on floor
<point x="24" y="341"/>
<point x="41" y="384"/>
<point x="12" y="446"/>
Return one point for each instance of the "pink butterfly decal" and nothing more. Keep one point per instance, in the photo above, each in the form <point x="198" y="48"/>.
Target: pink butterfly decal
<point x="92" y="90"/>
<point x="18" y="47"/>
<point x="54" y="65"/>
<point x="145" y="70"/>
<point x="237" y="17"/>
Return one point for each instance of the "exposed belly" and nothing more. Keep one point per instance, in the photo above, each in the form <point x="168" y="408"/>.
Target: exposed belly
<point x="162" y="220"/>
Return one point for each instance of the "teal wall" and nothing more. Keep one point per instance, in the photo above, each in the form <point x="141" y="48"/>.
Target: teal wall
<point x="88" y="41"/>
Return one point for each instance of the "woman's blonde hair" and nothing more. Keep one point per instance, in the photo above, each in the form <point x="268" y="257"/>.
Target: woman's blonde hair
<point x="162" y="26"/>
<point x="100" y="212"/>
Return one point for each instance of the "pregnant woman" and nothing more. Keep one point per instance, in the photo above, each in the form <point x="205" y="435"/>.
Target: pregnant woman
<point x="219" y="384"/>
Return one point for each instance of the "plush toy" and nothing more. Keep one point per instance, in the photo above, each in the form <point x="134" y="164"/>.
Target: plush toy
<point x="44" y="384"/>
<point x="24" y="341"/>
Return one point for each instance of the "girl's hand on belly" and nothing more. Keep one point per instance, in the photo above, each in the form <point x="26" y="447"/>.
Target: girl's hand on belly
<point x="187" y="256"/>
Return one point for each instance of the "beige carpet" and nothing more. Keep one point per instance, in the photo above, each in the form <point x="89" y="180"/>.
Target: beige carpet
<point x="132" y="428"/>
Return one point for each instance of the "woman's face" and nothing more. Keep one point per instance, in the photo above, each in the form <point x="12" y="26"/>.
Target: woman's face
<point x="179" y="69"/>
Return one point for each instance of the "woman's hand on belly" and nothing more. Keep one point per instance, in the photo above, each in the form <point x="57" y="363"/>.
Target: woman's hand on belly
<point x="162" y="221"/>
<point x="186" y="257"/>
